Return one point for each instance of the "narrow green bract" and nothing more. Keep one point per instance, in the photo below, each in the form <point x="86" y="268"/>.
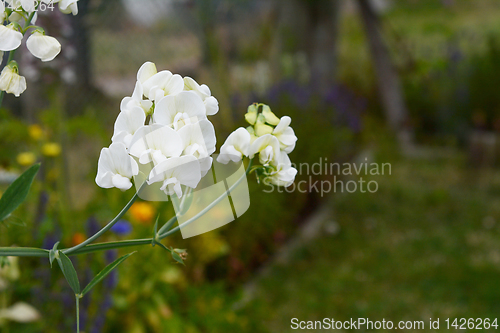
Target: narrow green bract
<point x="102" y="274"/>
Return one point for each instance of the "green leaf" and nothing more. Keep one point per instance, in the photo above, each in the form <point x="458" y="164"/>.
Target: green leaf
<point x="52" y="253"/>
<point x="68" y="271"/>
<point x="17" y="191"/>
<point x="102" y="274"/>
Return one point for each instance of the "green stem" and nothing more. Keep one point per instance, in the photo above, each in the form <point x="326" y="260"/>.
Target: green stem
<point x="112" y="245"/>
<point x="77" y="313"/>
<point x="23" y="252"/>
<point x="107" y="227"/>
<point x="210" y="206"/>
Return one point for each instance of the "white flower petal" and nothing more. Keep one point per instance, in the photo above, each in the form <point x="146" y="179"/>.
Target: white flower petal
<point x="44" y="47"/>
<point x="147" y="70"/>
<point x="165" y="83"/>
<point x="115" y="161"/>
<point x="11" y="82"/>
<point x="181" y="107"/>
<point x="150" y="141"/>
<point x="176" y="171"/>
<point x="10" y="38"/>
<point x="127" y="123"/>
<point x="268" y="148"/>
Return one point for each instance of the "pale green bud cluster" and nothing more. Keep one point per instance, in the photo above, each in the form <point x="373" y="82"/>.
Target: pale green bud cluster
<point x="263" y="122"/>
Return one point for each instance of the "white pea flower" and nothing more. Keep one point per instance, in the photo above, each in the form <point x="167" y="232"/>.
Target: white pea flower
<point x="268" y="148"/>
<point x="155" y="143"/>
<point x="116" y="167"/>
<point x="178" y="110"/>
<point x="284" y="174"/>
<point x="211" y="103"/>
<point x="174" y="172"/>
<point x="136" y="100"/>
<point x="10" y="37"/>
<point x="285" y="134"/>
<point x="44" y="47"/>
<point x="10" y="81"/>
<point x="127" y="123"/>
<point x="236" y="146"/>
<point x="199" y="140"/>
<point x="68" y="6"/>
<point x="162" y="84"/>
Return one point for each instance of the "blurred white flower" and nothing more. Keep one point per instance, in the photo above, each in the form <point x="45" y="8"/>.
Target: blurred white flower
<point x="44" y="47"/>
<point x="21" y="313"/>
<point x="268" y="148"/>
<point x="186" y="107"/>
<point x="127" y="123"/>
<point x="155" y="143"/>
<point x="285" y="134"/>
<point x="285" y="173"/>
<point x="10" y="81"/>
<point x="236" y="146"/>
<point x="211" y="103"/>
<point x="10" y="37"/>
<point x="174" y="172"/>
<point x="116" y="167"/>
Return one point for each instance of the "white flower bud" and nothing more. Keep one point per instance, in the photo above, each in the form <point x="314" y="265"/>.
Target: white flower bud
<point x="270" y="116"/>
<point x="11" y="82"/>
<point x="44" y="47"/>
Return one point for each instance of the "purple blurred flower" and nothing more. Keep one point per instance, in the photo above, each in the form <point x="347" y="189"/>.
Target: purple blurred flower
<point x="122" y="228"/>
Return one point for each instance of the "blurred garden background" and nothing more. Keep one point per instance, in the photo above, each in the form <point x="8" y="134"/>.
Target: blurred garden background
<point x="413" y="83"/>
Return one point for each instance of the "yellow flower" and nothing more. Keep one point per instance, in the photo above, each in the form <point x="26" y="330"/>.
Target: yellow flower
<point x="35" y="132"/>
<point x="51" y="149"/>
<point x="26" y="158"/>
<point x="142" y="211"/>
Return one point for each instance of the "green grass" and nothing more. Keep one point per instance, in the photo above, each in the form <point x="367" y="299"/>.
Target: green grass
<point x="426" y="245"/>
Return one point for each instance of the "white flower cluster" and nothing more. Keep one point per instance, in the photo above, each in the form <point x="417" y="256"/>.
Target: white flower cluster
<point x="46" y="48"/>
<point x="162" y="130"/>
<point x="270" y="137"/>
